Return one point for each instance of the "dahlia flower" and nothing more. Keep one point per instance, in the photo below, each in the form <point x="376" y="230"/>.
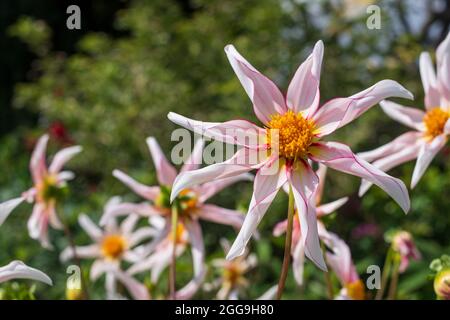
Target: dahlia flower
<point x="430" y="128"/>
<point x="294" y="126"/>
<point x="113" y="245"/>
<point x="192" y="207"/>
<point x="298" y="250"/>
<point x="19" y="270"/>
<point x="48" y="189"/>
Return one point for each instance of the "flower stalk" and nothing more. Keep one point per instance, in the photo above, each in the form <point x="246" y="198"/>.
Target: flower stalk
<point x="326" y="274"/>
<point x="287" y="245"/>
<point x="385" y="274"/>
<point x="173" y="265"/>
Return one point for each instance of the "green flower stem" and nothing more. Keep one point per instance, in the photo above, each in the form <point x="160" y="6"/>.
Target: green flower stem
<point x="287" y="245"/>
<point x="392" y="295"/>
<point x="385" y="275"/>
<point x="173" y="265"/>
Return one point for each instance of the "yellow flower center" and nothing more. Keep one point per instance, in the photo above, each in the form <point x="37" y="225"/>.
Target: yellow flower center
<point x="291" y="133"/>
<point x="232" y="273"/>
<point x="188" y="201"/>
<point x="355" y="290"/>
<point x="179" y="234"/>
<point x="48" y="189"/>
<point x="435" y="120"/>
<point x="113" y="246"/>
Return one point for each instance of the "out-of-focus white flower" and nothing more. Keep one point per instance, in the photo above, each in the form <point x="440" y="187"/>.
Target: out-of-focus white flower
<point x="48" y="188"/>
<point x="112" y="245"/>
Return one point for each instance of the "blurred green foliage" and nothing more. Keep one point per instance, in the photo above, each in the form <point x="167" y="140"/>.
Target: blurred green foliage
<point x="113" y="92"/>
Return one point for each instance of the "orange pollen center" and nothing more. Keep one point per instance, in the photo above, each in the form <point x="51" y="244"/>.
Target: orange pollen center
<point x="291" y="133"/>
<point x="188" y="200"/>
<point x="355" y="290"/>
<point x="113" y="246"/>
<point x="434" y="121"/>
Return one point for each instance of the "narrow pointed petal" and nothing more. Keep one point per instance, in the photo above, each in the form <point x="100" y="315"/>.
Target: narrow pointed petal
<point x="62" y="156"/>
<point x="409" y="152"/>
<point x="195" y="159"/>
<point x="150" y="193"/>
<point x="339" y="157"/>
<point x="209" y="189"/>
<point x="321" y="174"/>
<point x="429" y="81"/>
<point x="338" y="112"/>
<point x="243" y="161"/>
<point x="265" y="189"/>
<point x="427" y="152"/>
<point x="443" y="64"/>
<point x="304" y="184"/>
<point x="269" y="294"/>
<point x="410" y="117"/>
<point x="331" y="207"/>
<point x="298" y="262"/>
<point x="19" y="270"/>
<point x="303" y="93"/>
<point x="94" y="232"/>
<point x="220" y="215"/>
<point x="125" y="208"/>
<point x="141" y="234"/>
<point x="137" y="290"/>
<point x="7" y="207"/>
<point x="166" y="173"/>
<point x="38" y="225"/>
<point x="198" y="259"/>
<point x="266" y="97"/>
<point x="38" y="167"/>
<point x="84" y="252"/>
<point x="129" y="223"/>
<point x="340" y="260"/>
<point x="396" y="145"/>
<point x="238" y="132"/>
<point x="280" y="228"/>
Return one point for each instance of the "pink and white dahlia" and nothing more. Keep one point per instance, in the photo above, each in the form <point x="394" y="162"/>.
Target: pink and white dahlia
<point x="294" y="126"/>
<point x="113" y="245"/>
<point x="430" y="128"/>
<point x="298" y="250"/>
<point x="48" y="187"/>
<point x="192" y="208"/>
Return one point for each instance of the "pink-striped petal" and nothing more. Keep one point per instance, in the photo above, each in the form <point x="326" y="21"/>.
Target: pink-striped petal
<point x="7" y="207"/>
<point x="209" y="189"/>
<point x="243" y="161"/>
<point x="303" y="93"/>
<point x="126" y="208"/>
<point x="195" y="159"/>
<point x="339" y="157"/>
<point x="38" y="166"/>
<point x="338" y="112"/>
<point x="38" y="225"/>
<point x="220" y="215"/>
<point x="443" y="65"/>
<point x="266" y="97"/>
<point x="238" y="132"/>
<point x="137" y="290"/>
<point x="409" y="152"/>
<point x="410" y="117"/>
<point x="340" y="260"/>
<point x="19" y="270"/>
<point x="62" y="156"/>
<point x="165" y="172"/>
<point x="396" y="145"/>
<point x="304" y="184"/>
<point x="150" y="193"/>
<point x="298" y="261"/>
<point x="426" y="153"/>
<point x="321" y="174"/>
<point x="429" y="81"/>
<point x="265" y="189"/>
